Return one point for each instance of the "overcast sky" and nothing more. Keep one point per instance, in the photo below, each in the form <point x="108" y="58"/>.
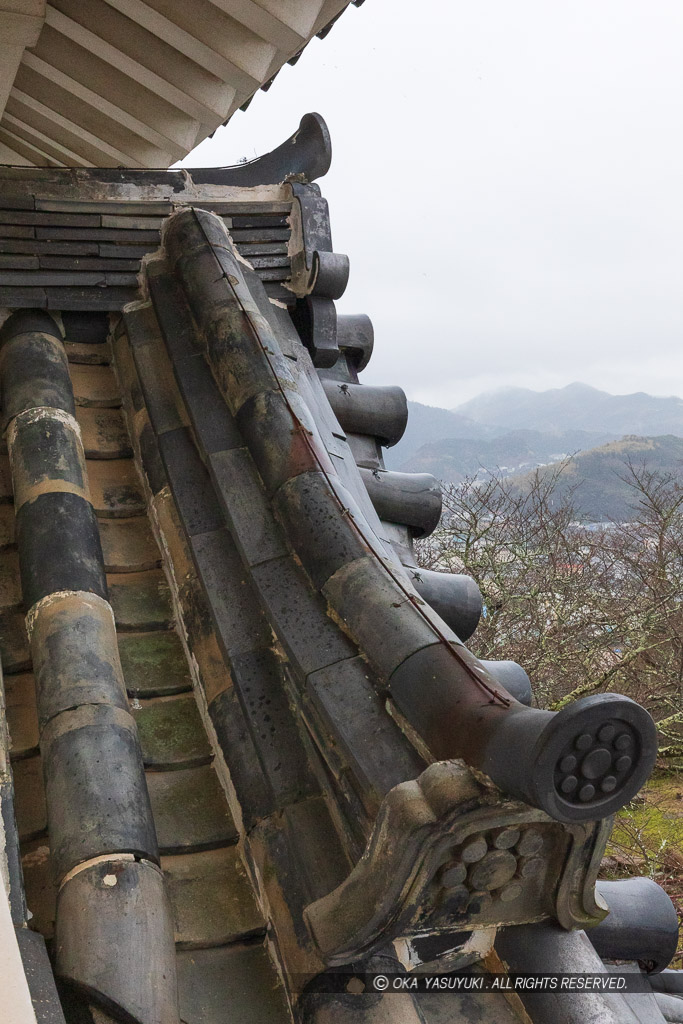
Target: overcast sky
<point x="506" y="180"/>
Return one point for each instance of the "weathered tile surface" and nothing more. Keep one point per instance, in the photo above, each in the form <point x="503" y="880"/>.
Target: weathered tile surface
<point x="30" y="798"/>
<point x="115" y="488"/>
<point x="257" y="534"/>
<point x="22" y="716"/>
<point x="141" y="600"/>
<point x="95" y="386"/>
<point x="7" y="524"/>
<point x="254" y="793"/>
<point x="104" y="433"/>
<point x="312" y="640"/>
<point x="5" y="476"/>
<point x="190" y="810"/>
<point x="10" y="586"/>
<point x="128" y="545"/>
<point x="171" y="732"/>
<point x="88" y="354"/>
<point x="239" y="622"/>
<point x="40" y="978"/>
<point x="275" y="732"/>
<point x="237" y="983"/>
<point x="14" y="650"/>
<point x="41" y="893"/>
<point x="212" y="898"/>
<point x="211" y="419"/>
<point x="154" y="664"/>
<point x="190" y="482"/>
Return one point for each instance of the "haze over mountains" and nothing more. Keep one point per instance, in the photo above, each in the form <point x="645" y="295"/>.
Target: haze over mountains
<point x="518" y="451"/>
<point x="576" y="406"/>
<point x="515" y="430"/>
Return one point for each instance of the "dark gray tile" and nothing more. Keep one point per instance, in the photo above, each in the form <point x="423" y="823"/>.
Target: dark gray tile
<point x="171" y="733"/>
<point x="41" y="982"/>
<point x="257" y="534"/>
<point x="240" y="623"/>
<point x="237" y="982"/>
<point x="190" y="482"/>
<point x="190" y="810"/>
<point x="212" y="898"/>
<point x="298" y="615"/>
<point x="154" y="664"/>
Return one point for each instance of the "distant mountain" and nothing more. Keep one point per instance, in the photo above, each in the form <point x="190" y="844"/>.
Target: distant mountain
<point x="427" y="423"/>
<point x="452" y="459"/>
<point x="602" y="493"/>
<point x="576" y="407"/>
<point x="514" y="430"/>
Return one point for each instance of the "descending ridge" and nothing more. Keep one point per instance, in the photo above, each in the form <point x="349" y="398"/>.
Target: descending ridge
<point x="458" y="707"/>
<point x="201" y="448"/>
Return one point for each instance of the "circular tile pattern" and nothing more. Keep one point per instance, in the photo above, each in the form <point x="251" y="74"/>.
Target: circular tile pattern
<point x="506" y="839"/>
<point x="493" y="871"/>
<point x="474" y="849"/>
<point x="453" y="875"/>
<point x="530" y="843"/>
<point x="491" y="867"/>
<point x="511" y="892"/>
<point x="601" y="721"/>
<point x="531" y="867"/>
<point x="596" y="764"/>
